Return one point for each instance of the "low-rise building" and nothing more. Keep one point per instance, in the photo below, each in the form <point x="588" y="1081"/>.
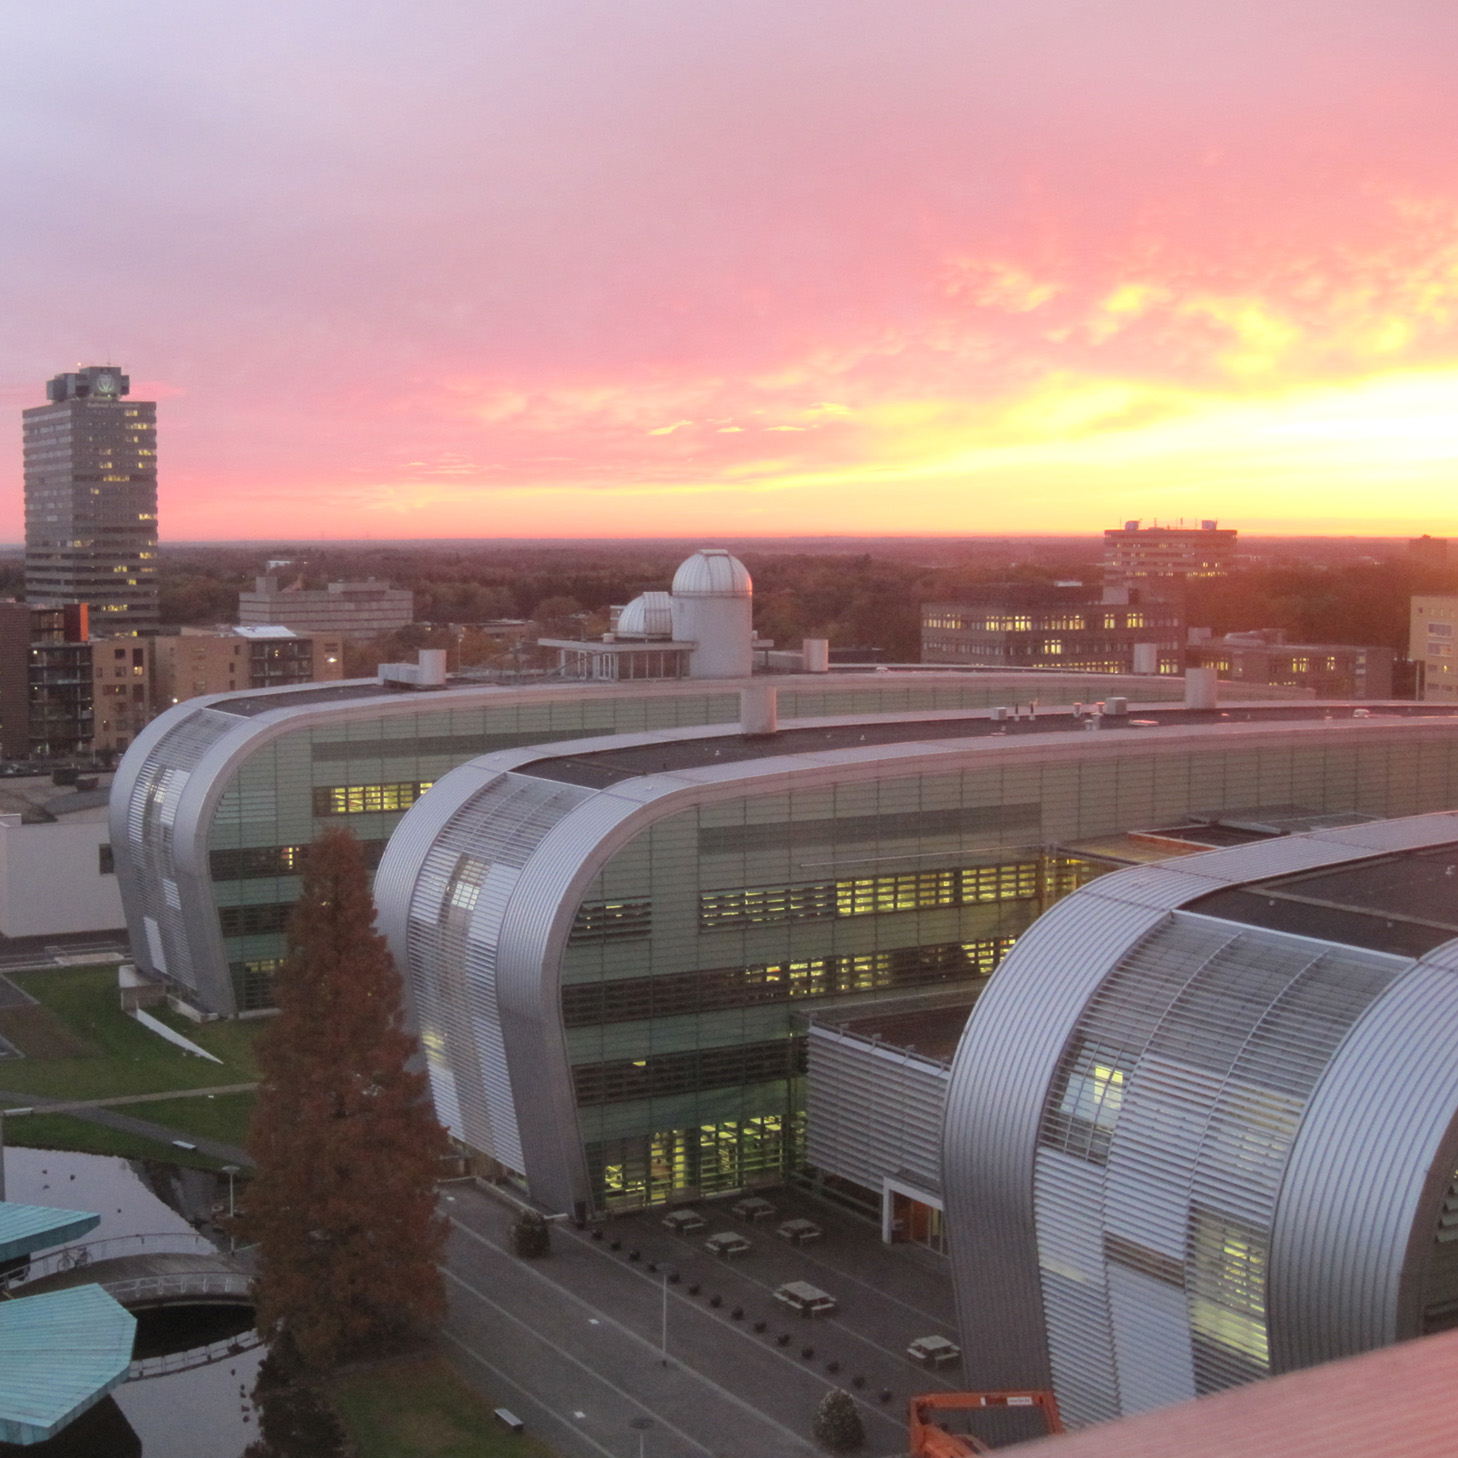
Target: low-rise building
<point x="229" y="659"/>
<point x="1058" y="626"/>
<point x="1329" y="670"/>
<point x="1432" y="644"/>
<point x="347" y="609"/>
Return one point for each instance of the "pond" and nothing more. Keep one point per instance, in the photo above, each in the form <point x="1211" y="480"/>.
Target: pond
<point x="207" y="1412"/>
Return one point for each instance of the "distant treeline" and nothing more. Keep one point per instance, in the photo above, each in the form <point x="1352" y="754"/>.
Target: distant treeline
<point x="862" y="600"/>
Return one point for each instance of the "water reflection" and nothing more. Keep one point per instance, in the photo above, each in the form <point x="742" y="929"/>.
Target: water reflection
<point x="207" y="1412"/>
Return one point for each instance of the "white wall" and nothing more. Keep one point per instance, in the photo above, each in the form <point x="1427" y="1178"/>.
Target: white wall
<point x="50" y="881"/>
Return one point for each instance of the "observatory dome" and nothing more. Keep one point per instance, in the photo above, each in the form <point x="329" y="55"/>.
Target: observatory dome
<point x="647" y="616"/>
<point x="712" y="572"/>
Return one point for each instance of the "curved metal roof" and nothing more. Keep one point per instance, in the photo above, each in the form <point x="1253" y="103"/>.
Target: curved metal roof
<point x="712" y="572"/>
<point x="649" y="615"/>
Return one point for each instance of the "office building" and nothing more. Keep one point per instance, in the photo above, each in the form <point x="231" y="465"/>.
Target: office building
<point x="1163" y="558"/>
<point x="1432" y="625"/>
<point x="343" y="609"/>
<point x="658" y="912"/>
<point x="1328" y="670"/>
<point x="1056" y="626"/>
<point x="91" y="500"/>
<point x="196" y="662"/>
<point x="1203" y="1125"/>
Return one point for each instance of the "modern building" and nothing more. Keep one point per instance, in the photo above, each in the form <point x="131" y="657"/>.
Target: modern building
<point x="1432" y="635"/>
<point x="610" y="945"/>
<point x="343" y="609"/>
<point x="1054" y="626"/>
<point x="1203" y="1125"/>
<point x="218" y="795"/>
<point x="197" y="662"/>
<point x="1328" y="670"/>
<point x="1163" y="558"/>
<point x="91" y="500"/>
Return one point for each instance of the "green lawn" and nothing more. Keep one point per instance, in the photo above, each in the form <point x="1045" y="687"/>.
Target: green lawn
<point x="121" y="1056"/>
<point x="421" y="1409"/>
<point x="65" y="1131"/>
<point x="213" y="1116"/>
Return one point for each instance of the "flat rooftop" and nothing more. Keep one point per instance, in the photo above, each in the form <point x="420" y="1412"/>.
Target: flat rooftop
<point x="598" y="769"/>
<point x="1405" y="904"/>
<point x="929" y="1027"/>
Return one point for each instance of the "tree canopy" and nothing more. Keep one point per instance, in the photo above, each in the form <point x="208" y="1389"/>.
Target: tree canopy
<point x="348" y="1150"/>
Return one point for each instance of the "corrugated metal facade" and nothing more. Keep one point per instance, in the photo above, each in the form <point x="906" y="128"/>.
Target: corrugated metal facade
<point x="1243" y="1146"/>
<point x="873" y="1113"/>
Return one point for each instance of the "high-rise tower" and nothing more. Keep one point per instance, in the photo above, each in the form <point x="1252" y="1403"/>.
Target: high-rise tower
<point x="91" y="500"/>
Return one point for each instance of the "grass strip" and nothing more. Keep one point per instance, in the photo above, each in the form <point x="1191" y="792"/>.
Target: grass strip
<point x="65" y="1131"/>
<point x="207" y="1116"/>
<point x="420" y="1408"/>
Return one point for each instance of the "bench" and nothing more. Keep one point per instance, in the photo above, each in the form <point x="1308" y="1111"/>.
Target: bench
<point x="509" y="1419"/>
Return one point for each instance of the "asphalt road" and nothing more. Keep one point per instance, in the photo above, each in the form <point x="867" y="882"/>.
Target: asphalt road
<point x="573" y="1344"/>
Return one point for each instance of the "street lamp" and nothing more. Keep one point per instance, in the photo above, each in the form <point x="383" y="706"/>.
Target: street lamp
<point x="641" y="1426"/>
<point x="230" y="1170"/>
<point x="14" y="1113"/>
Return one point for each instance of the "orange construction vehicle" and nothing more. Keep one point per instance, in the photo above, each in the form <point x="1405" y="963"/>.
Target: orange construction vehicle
<point x="933" y="1438"/>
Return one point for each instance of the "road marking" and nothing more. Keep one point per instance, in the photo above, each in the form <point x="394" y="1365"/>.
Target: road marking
<point x="536" y="1402"/>
<point x="738" y="1401"/>
<point x="577" y="1362"/>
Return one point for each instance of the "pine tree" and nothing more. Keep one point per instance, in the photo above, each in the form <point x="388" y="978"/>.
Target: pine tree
<point x="343" y="1203"/>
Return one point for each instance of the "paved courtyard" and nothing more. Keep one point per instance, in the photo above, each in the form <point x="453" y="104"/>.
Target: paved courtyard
<point x="573" y="1344"/>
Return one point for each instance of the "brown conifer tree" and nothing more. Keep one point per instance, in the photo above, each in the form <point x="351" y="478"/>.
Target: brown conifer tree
<point x="343" y="1203"/>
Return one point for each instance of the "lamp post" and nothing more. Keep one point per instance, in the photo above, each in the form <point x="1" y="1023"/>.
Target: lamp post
<point x="641" y="1426"/>
<point x="230" y="1170"/>
<point x="13" y="1114"/>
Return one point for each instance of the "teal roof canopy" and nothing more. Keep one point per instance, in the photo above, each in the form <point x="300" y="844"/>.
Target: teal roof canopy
<point x="28" y="1228"/>
<point x="60" y="1354"/>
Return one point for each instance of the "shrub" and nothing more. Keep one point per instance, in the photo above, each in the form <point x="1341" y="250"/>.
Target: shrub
<point x="838" y="1424"/>
<point x="531" y="1236"/>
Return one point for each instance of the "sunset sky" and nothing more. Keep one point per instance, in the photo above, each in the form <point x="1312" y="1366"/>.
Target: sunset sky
<point x="679" y="267"/>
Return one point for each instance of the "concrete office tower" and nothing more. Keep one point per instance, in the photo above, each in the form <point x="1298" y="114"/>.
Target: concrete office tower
<point x="713" y="608"/>
<point x="91" y="500"/>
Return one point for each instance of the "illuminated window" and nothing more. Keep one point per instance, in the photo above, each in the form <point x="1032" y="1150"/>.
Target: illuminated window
<point x="368" y="799"/>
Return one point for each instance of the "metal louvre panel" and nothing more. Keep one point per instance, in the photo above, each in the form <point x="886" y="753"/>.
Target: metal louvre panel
<point x="1151" y="1327"/>
<point x="1193" y="1063"/>
<point x="1369" y="1170"/>
<point x="456" y="907"/>
<point x="873" y="1113"/>
<point x="1001" y="1073"/>
<point x="149" y="877"/>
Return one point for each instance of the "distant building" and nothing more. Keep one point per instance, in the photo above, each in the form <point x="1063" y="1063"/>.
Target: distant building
<point x="1066" y="626"/>
<point x="121" y="675"/>
<point x="1164" y="557"/>
<point x="1329" y="670"/>
<point x="1432" y="623"/>
<point x="91" y="500"/>
<point x="702" y="628"/>
<point x="198" y="662"/>
<point x="349" y="609"/>
<point x="1428" y="551"/>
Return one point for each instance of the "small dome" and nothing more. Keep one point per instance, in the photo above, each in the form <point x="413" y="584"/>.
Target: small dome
<point x="712" y="572"/>
<point x="648" y="616"/>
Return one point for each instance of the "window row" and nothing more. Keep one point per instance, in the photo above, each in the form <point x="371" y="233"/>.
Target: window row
<point x="255" y="862"/>
<point x="254" y="921"/>
<point x="611" y="921"/>
<point x="665" y="1074"/>
<point x="869" y="895"/>
<point x="368" y="799"/>
<point x="629" y="999"/>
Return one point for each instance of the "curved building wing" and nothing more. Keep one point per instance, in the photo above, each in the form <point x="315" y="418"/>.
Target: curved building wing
<point x="1203" y="1126"/>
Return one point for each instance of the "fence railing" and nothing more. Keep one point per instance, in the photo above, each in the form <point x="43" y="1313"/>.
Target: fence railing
<point x="77" y="1257"/>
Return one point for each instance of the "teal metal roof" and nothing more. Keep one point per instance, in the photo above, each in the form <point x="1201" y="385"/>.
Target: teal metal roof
<point x="59" y="1354"/>
<point x="27" y="1228"/>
